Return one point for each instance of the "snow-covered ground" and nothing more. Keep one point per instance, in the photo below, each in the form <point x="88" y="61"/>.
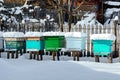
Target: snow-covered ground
<point x="65" y="69"/>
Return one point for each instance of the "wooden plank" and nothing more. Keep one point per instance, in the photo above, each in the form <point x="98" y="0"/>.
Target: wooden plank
<point x="34" y="38"/>
<point x="14" y="39"/>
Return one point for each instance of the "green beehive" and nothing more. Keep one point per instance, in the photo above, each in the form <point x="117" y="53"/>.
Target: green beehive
<point x="102" y="43"/>
<point x="13" y="41"/>
<point x="54" y="41"/>
<point x="14" y="45"/>
<point x="34" y="41"/>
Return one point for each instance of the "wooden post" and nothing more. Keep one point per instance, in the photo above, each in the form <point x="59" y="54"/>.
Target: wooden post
<point x="16" y="54"/>
<point x="30" y="55"/>
<point x="53" y="55"/>
<point x="74" y="55"/>
<point x="12" y="53"/>
<point x="41" y="54"/>
<point x="110" y="58"/>
<point x="119" y="53"/>
<point x="37" y="53"/>
<point x="77" y="55"/>
<point x="97" y="58"/>
<point x="58" y="54"/>
<point x="8" y="55"/>
<point x="21" y="52"/>
<point x="34" y="53"/>
<point x="0" y="54"/>
<point x="115" y="29"/>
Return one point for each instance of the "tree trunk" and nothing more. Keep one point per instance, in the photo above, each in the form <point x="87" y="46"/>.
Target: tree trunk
<point x="60" y="15"/>
<point x="69" y="21"/>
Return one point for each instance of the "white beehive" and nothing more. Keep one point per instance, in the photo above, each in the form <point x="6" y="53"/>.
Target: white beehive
<point x="75" y="41"/>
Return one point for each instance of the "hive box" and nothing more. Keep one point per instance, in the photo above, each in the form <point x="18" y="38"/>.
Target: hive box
<point x="75" y="41"/>
<point x="54" y="41"/>
<point x="34" y="41"/>
<point x="102" y="43"/>
<point x="13" y="41"/>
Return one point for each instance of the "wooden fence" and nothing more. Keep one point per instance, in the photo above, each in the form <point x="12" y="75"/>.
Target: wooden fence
<point x="97" y="28"/>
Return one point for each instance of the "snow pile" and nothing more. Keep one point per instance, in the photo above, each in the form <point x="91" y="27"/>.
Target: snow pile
<point x="116" y="18"/>
<point x="29" y="20"/>
<point x="42" y="21"/>
<point x="1" y="34"/>
<point x="33" y="34"/>
<point x="1" y="0"/>
<point x="109" y="11"/>
<point x="13" y="34"/>
<point x="53" y="33"/>
<point x="75" y="34"/>
<point x="89" y="18"/>
<point x="48" y="16"/>
<point x="2" y="9"/>
<point x="18" y="10"/>
<point x="103" y="37"/>
<point x="34" y="20"/>
<point x="113" y="3"/>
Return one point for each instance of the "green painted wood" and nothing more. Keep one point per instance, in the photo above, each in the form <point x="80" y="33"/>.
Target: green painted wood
<point x="102" y="47"/>
<point x="53" y="43"/>
<point x="14" y="45"/>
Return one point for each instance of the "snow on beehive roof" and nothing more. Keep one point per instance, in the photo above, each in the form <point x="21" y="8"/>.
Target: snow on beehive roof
<point x="53" y="33"/>
<point x="103" y="37"/>
<point x="33" y="34"/>
<point x="113" y="3"/>
<point x="1" y="1"/>
<point x="1" y="34"/>
<point x="75" y="34"/>
<point x="13" y="34"/>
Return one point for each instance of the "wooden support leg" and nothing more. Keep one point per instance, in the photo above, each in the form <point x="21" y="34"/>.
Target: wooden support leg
<point x="0" y="54"/>
<point x="34" y="53"/>
<point x="97" y="58"/>
<point x="21" y="53"/>
<point x="16" y="54"/>
<point x="77" y="56"/>
<point x="110" y="58"/>
<point x="37" y="53"/>
<point x="41" y="55"/>
<point x="30" y="55"/>
<point x="8" y="55"/>
<point x="53" y="56"/>
<point x="74" y="56"/>
<point x="12" y="53"/>
<point x="58" y="54"/>
<point x="119" y="56"/>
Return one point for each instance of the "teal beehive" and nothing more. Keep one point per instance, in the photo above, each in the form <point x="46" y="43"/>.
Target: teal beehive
<point x="102" y="43"/>
<point x="34" y="41"/>
<point x="102" y="47"/>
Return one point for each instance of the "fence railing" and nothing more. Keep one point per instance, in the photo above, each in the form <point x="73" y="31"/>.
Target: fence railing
<point x="96" y="28"/>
